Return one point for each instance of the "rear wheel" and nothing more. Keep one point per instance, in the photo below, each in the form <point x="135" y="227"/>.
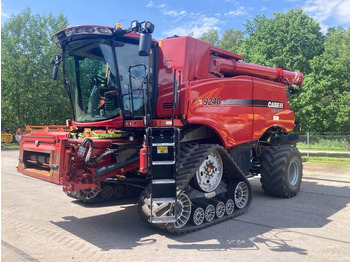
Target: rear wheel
<point x="281" y="171"/>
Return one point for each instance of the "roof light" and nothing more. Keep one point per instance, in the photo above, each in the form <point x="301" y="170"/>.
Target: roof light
<point x="149" y="27"/>
<point x="135" y="26"/>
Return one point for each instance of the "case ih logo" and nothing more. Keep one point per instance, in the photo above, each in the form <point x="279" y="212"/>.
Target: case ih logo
<point x="275" y="104"/>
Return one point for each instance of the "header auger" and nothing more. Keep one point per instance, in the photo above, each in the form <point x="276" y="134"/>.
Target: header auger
<point x="178" y="122"/>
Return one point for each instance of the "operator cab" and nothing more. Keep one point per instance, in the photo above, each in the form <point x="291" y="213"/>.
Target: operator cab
<point x="108" y="73"/>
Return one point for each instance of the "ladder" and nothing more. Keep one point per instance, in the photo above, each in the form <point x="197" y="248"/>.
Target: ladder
<point x="164" y="150"/>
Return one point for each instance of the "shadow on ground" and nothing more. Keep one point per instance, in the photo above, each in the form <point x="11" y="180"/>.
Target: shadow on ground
<point x="269" y="221"/>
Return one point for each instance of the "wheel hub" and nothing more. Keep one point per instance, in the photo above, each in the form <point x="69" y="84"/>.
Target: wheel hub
<point x="209" y="174"/>
<point x="293" y="173"/>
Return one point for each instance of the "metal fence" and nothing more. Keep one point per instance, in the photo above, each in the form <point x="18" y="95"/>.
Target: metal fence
<point x="316" y="142"/>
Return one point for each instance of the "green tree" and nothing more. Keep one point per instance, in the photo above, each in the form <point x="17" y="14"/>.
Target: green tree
<point x="27" y="93"/>
<point x="324" y="104"/>
<point x="288" y="40"/>
<point x="231" y="40"/>
<point x="212" y="36"/>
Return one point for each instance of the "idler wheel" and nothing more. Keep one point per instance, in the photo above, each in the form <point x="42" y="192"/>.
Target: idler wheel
<point x="88" y="194"/>
<point x="183" y="210"/>
<point x="241" y="195"/>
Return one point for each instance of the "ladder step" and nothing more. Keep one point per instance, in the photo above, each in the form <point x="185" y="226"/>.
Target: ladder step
<point x="160" y="200"/>
<point x="163" y="144"/>
<point x="163" y="163"/>
<point x="163" y="181"/>
<point x="167" y="219"/>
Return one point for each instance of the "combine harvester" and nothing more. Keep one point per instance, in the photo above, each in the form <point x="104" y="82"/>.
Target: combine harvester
<point x="184" y="121"/>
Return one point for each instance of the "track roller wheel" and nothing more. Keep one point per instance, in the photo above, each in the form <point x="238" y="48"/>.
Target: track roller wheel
<point x="241" y="194"/>
<point x="107" y="192"/>
<point x="118" y="191"/>
<point x="129" y="190"/>
<point x="220" y="209"/>
<point x="198" y="216"/>
<point x="209" y="213"/>
<point x="229" y="206"/>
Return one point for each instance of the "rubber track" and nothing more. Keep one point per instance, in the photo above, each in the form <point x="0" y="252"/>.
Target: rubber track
<point x="192" y="156"/>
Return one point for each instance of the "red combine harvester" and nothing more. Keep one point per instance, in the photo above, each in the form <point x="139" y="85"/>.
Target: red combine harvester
<point x="184" y="121"/>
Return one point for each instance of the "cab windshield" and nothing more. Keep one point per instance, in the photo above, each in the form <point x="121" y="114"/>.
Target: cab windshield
<point x="98" y="75"/>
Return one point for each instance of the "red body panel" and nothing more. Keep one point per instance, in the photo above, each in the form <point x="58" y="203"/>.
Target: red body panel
<point x="250" y="100"/>
<point x="192" y="57"/>
<point x="233" y="122"/>
<point x="272" y="114"/>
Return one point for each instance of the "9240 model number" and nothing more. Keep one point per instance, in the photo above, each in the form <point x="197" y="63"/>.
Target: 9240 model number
<point x="212" y="101"/>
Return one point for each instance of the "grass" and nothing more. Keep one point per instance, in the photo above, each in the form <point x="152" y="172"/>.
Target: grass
<point x="322" y="144"/>
<point x="327" y="160"/>
<point x="9" y="146"/>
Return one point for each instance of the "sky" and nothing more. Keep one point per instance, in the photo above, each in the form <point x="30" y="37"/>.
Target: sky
<point x="180" y="17"/>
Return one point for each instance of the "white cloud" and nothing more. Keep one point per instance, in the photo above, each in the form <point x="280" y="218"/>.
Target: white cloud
<point x="150" y="4"/>
<point x="322" y="10"/>
<point x="3" y="14"/>
<point x="239" y="11"/>
<point x="263" y="9"/>
<point x="173" y="13"/>
<point x="343" y="12"/>
<point x="196" y="26"/>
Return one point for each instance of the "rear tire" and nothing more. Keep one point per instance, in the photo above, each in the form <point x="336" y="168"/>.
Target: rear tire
<point x="281" y="171"/>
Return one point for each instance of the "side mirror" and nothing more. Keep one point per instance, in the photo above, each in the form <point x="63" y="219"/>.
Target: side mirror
<point x="55" y="72"/>
<point x="145" y="44"/>
<point x="56" y="63"/>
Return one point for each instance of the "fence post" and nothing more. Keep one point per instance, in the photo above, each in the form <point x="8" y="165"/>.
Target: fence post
<point x="308" y="143"/>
